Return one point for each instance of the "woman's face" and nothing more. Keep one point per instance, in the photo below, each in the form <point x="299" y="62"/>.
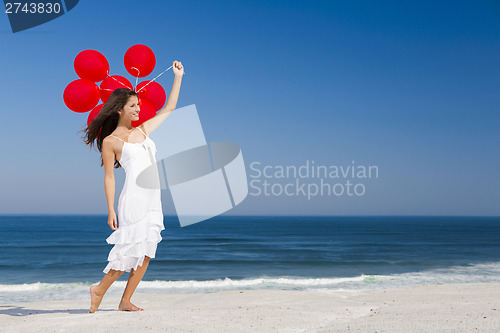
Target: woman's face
<point x="131" y="109"/>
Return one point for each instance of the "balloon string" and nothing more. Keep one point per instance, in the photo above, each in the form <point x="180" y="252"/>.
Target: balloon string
<point x="156" y="77"/>
<point x="137" y="78"/>
<point x="123" y="84"/>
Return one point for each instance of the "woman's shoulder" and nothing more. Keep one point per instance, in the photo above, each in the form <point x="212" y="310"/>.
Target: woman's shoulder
<point x="110" y="139"/>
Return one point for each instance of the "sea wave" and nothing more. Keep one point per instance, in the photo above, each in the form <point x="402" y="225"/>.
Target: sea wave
<point x="473" y="273"/>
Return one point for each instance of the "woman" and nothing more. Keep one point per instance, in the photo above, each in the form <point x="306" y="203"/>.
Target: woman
<point x="139" y="210"/>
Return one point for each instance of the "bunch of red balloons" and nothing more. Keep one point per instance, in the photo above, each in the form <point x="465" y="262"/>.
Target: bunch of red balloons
<point x="83" y="95"/>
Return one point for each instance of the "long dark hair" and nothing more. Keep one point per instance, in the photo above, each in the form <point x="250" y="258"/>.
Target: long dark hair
<point x="107" y="120"/>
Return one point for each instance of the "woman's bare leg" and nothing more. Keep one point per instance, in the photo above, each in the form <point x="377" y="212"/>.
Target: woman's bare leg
<point x="133" y="280"/>
<point x="98" y="291"/>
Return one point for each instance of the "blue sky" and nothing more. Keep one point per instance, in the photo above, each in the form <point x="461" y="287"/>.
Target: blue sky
<point x="411" y="87"/>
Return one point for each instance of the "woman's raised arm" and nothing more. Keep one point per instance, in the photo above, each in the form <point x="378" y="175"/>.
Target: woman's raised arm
<point x="150" y="125"/>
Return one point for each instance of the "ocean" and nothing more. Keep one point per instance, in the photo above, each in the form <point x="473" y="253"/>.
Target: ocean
<point x="58" y="257"/>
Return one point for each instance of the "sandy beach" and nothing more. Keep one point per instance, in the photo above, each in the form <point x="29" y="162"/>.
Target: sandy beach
<point x="471" y="307"/>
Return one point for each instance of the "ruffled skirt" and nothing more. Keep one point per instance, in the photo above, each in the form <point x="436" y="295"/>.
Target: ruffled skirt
<point x="132" y="242"/>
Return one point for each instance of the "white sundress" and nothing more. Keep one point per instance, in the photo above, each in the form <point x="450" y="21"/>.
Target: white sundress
<point x="140" y="215"/>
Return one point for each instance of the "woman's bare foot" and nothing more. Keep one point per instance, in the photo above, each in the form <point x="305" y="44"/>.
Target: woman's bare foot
<point x="127" y="306"/>
<point x="95" y="299"/>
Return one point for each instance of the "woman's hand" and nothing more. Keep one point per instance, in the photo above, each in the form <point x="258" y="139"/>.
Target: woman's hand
<point x="112" y="221"/>
<point x="178" y="68"/>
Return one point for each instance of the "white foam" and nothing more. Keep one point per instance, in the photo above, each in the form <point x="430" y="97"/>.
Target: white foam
<point x="489" y="272"/>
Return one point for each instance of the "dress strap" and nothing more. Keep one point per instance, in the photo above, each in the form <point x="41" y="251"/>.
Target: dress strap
<point x="139" y="128"/>
<point x="117" y="138"/>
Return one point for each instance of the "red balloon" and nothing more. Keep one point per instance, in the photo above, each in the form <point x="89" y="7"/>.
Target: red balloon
<point x="95" y="111"/>
<point x="139" y="60"/>
<point x="146" y="112"/>
<point x="111" y="83"/>
<point x="153" y="92"/>
<point x="81" y="95"/>
<point x="91" y="65"/>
